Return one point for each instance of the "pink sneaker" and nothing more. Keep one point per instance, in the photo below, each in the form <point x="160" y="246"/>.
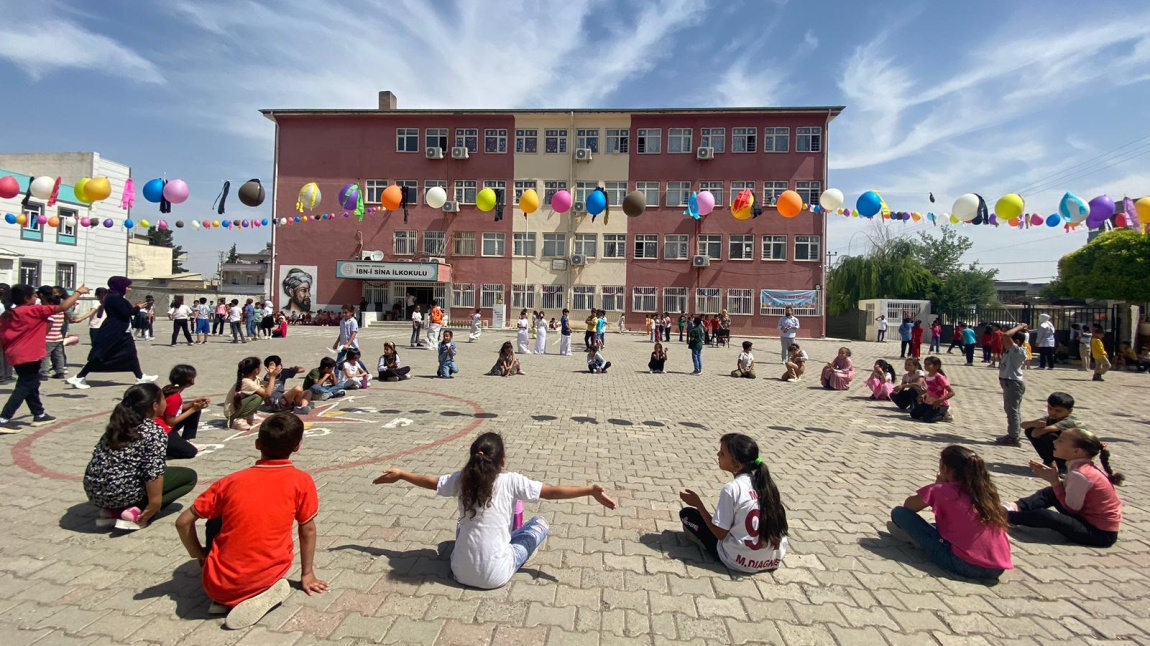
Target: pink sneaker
<point x="107" y="518"/>
<point x="129" y="519"/>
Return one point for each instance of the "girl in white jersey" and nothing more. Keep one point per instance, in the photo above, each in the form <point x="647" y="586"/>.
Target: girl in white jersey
<point x="748" y="531"/>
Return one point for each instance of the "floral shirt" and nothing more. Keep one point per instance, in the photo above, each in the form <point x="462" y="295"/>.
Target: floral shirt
<point x="115" y="479"/>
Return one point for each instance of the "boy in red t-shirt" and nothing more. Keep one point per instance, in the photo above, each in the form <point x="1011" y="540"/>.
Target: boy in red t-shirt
<point x="250" y="514"/>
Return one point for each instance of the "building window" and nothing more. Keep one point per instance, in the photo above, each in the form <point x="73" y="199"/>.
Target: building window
<point x="739" y="302"/>
<point x="674" y="299"/>
<point x="66" y="275"/>
<point x="614" y="245"/>
<point x="676" y="246"/>
<point x="739" y="187"/>
<point x="412" y="187"/>
<point x="679" y="140"/>
<point x="494" y="244"/>
<point x="434" y="243"/>
<point x="526" y="140"/>
<point x="30" y="272"/>
<point x="612" y="298"/>
<point x="407" y="140"/>
<point x="490" y="295"/>
<point x="463" y="295"/>
<point x="643" y="299"/>
<point x="649" y="141"/>
<point x="32" y="230"/>
<point x="522" y="186"/>
<point x="741" y="246"/>
<point x="809" y="191"/>
<point x="463" y="243"/>
<point x="405" y="243"/>
<point x="713" y="138"/>
<point x="523" y="244"/>
<point x="716" y="189"/>
<point x="555" y="141"/>
<point x="587" y="244"/>
<point x="808" y="140"/>
<point x="772" y="191"/>
<point x="583" y="189"/>
<point x="646" y="246"/>
<point x="618" y="140"/>
<point x="744" y="140"/>
<point x="776" y="140"/>
<point x="807" y="248"/>
<point x="435" y="138"/>
<point x="500" y="188"/>
<point x="550" y="188"/>
<point x="587" y="138"/>
<point x="495" y="140"/>
<point x="678" y="193"/>
<point x="774" y="247"/>
<point x="711" y="246"/>
<point x="554" y="297"/>
<point x="708" y="300"/>
<point x="465" y="190"/>
<point x="467" y="138"/>
<point x="554" y="245"/>
<point x="373" y="190"/>
<point x="66" y="232"/>
<point x="523" y="296"/>
<point x="616" y="191"/>
<point x="650" y="191"/>
<point x="582" y="297"/>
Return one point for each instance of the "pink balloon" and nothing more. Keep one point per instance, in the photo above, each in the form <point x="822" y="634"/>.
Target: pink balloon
<point x="706" y="201"/>
<point x="84" y="222"/>
<point x="162" y="224"/>
<point x="176" y="191"/>
<point x="1037" y="220"/>
<point x="561" y="202"/>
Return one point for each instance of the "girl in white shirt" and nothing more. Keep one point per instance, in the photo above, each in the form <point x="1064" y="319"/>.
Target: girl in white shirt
<point x="354" y="372"/>
<point x="540" y="333"/>
<point x="487" y="553"/>
<point x="748" y="531"/>
<point x="180" y="315"/>
<point x="521" y="328"/>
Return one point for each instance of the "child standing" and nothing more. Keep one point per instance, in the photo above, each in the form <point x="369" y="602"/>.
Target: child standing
<point x="968" y="342"/>
<point x="748" y="531"/>
<point x="695" y="339"/>
<point x="180" y="420"/>
<point x="1043" y="431"/>
<point x="916" y="332"/>
<point x="522" y="327"/>
<point x="249" y="516"/>
<point x="487" y="553"/>
<point x="476" y="327"/>
<point x="348" y="333"/>
<point x="565" y="333"/>
<point x="970" y="536"/>
<point x="745" y="364"/>
<point x="1086" y="508"/>
<point x="997" y="346"/>
<point x="658" y="361"/>
<point x="447" y="351"/>
<point x="796" y="363"/>
<point x="881" y="380"/>
<point x="596" y="363"/>
<point x="935" y="404"/>
<point x="1098" y="353"/>
<point x="540" y="334"/>
<point x="203" y="320"/>
<point x="935" y="336"/>
<point x="236" y="321"/>
<point x="985" y="340"/>
<point x="54" y="342"/>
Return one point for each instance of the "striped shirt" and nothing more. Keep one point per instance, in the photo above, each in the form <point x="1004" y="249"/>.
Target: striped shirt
<point x="55" y="328"/>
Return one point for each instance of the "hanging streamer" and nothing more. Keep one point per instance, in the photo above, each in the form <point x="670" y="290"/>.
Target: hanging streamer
<point x="128" y="197"/>
<point x="222" y="198"/>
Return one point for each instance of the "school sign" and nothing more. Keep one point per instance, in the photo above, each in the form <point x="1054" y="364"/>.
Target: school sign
<point x="408" y="271"/>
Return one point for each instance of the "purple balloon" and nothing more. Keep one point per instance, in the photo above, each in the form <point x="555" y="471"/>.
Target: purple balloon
<point x="1101" y="210"/>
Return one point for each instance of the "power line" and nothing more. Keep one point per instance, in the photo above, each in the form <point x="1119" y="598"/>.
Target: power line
<point x="1031" y="189"/>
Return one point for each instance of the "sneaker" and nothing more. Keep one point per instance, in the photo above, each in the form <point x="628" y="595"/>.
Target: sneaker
<point x="789" y="379"/>
<point x="6" y="427"/>
<point x="147" y="379"/>
<point x="606" y="365"/>
<point x="302" y="410"/>
<point x="106" y="518"/>
<point x="248" y="612"/>
<point x="897" y="532"/>
<point x="322" y="397"/>
<point x="240" y="425"/>
<point x="1098" y="378"/>
<point x="42" y="420"/>
<point x="129" y="519"/>
<point x="339" y="393"/>
<point x="1007" y="440"/>
<point x="1010" y="506"/>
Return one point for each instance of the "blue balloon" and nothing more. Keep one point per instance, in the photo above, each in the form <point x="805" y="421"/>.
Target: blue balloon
<point x="596" y="202"/>
<point x="154" y="190"/>
<point x="869" y="204"/>
<point x="1054" y="220"/>
<point x="693" y="206"/>
<point x="128" y="224"/>
<point x="10" y="218"/>
<point x="264" y="222"/>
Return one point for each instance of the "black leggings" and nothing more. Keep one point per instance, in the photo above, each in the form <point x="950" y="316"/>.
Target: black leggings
<point x="394" y="374"/>
<point x="905" y="398"/>
<point x="1045" y="358"/>
<point x="1044" y="446"/>
<point x="696" y="525"/>
<point x="588" y="338"/>
<point x="180" y="325"/>
<point x="1034" y="511"/>
<point x="904" y="347"/>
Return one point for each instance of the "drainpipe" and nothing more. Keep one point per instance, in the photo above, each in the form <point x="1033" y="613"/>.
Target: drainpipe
<point x="273" y="293"/>
<point x="823" y="236"/>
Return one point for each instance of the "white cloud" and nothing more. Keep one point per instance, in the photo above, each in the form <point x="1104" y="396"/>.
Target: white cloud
<point x="45" y="45"/>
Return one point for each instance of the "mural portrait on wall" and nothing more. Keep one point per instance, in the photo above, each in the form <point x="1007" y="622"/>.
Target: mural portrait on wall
<point x="298" y="283"/>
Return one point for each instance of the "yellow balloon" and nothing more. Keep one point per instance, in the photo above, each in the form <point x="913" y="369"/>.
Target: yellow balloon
<point x="742" y="205"/>
<point x="80" y="189"/>
<point x="485" y="201"/>
<point x="21" y="219"/>
<point x="145" y="224"/>
<point x="1009" y="206"/>
<point x="98" y="188"/>
<point x="953" y="220"/>
<point x="529" y="201"/>
<point x="1142" y="206"/>
<point x="215" y="223"/>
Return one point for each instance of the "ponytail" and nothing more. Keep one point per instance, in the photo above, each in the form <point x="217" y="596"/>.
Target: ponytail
<point x="772" y="513"/>
<point x="477" y="478"/>
<point x="134" y="409"/>
<point x="246" y="366"/>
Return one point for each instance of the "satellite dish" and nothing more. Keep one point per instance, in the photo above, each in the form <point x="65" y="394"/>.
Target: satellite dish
<point x="377" y="255"/>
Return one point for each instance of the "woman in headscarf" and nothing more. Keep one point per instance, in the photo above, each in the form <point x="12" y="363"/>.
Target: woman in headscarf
<point x="1045" y="341"/>
<point x="113" y="348"/>
<point x="268" y="323"/>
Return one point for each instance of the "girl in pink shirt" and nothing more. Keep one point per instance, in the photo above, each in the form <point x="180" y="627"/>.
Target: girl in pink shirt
<point x="1086" y="510"/>
<point x="969" y="538"/>
<point x="935" y="403"/>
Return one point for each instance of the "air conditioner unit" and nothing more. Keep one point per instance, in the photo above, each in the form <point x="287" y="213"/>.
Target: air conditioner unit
<point x="578" y="260"/>
<point x="705" y="152"/>
<point x="459" y="152"/>
<point x="451" y="206"/>
<point x="433" y="152"/>
<point x="375" y="256"/>
<point x="582" y="154"/>
<point x="437" y="260"/>
<point x="579" y="207"/>
<point x="701" y="261"/>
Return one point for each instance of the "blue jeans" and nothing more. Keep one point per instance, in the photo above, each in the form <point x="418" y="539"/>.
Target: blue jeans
<point x="926" y="536"/>
<point x="446" y="369"/>
<point x="697" y="359"/>
<point x="251" y="328"/>
<point x="526" y="539"/>
<point x="330" y="390"/>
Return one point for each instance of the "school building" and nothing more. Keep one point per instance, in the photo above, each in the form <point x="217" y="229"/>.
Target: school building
<point x="658" y="261"/>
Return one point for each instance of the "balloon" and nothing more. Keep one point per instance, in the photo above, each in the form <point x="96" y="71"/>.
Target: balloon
<point x="154" y="190"/>
<point x="436" y="197"/>
<point x="1009" y="206"/>
<point x="965" y="208"/>
<point x="561" y="201"/>
<point x="245" y="224"/>
<point x="1142" y="207"/>
<point x="634" y="203"/>
<point x="529" y="201"/>
<point x="145" y="224"/>
<point x="176" y="191"/>
<point x="789" y="204"/>
<point x="98" y="188"/>
<point x="596" y="202"/>
<point x="392" y="198"/>
<point x="485" y="200"/>
<point x="706" y="202"/>
<point x="868" y="204"/>
<point x="85" y="222"/>
<point x="21" y="219"/>
<point x="349" y="196"/>
<point x="1054" y="220"/>
<point x="227" y="224"/>
<point x="196" y="224"/>
<point x="309" y="197"/>
<point x="9" y="187"/>
<point x="180" y="224"/>
<point x="1073" y="208"/>
<point x="743" y="204"/>
<point x="1101" y="210"/>
<point x="162" y="224"/>
<point x="80" y="190"/>
<point x="42" y="187"/>
<point x="251" y="193"/>
<point x="283" y="222"/>
<point x="831" y="199"/>
<point x="10" y="218"/>
<point x="128" y="224"/>
<point x="54" y="221"/>
<point x="41" y="220"/>
<point x="108" y="224"/>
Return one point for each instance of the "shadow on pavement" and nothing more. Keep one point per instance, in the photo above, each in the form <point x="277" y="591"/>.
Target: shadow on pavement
<point x="185" y="589"/>
<point x="892" y="549"/>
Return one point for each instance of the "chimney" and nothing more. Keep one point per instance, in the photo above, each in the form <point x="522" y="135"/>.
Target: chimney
<point x="387" y="101"/>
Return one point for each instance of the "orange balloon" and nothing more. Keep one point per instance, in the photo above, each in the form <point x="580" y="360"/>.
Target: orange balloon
<point x="53" y="221"/>
<point x="789" y="204"/>
<point x="392" y="197"/>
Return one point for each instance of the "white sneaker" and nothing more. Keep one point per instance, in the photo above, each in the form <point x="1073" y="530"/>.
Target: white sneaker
<point x="78" y="383"/>
<point x="248" y="612"/>
<point x="147" y="379"/>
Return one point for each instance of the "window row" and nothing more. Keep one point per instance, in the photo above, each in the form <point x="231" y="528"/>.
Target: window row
<point x="644" y="246"/>
<point x="31" y="273"/>
<point x="677" y="193"/>
<point x="34" y="231"/>
<point x="647" y="141"/>
<point x="707" y="300"/>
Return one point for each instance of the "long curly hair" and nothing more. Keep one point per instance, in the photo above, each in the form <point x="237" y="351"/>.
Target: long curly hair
<point x="971" y="474"/>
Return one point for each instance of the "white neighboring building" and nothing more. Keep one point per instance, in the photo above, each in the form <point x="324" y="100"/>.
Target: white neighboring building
<point x="67" y="255"/>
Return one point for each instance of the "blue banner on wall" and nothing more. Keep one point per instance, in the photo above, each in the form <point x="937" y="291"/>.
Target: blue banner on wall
<point x="794" y="298"/>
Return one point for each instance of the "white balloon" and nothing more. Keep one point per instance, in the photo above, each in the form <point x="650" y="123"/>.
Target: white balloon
<point x="283" y="222"/>
<point x="42" y="187"/>
<point x="831" y="199"/>
<point x="965" y="207"/>
<point x="436" y="197"/>
<point x="195" y="224"/>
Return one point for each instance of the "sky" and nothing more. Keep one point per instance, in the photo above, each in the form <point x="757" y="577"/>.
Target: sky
<point x="1038" y="98"/>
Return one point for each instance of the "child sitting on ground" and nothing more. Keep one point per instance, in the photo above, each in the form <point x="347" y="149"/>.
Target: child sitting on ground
<point x="247" y="394"/>
<point x="355" y="374"/>
<point x="249" y="516"/>
<point x="323" y="382"/>
<point x="881" y="380"/>
<point x="390" y="369"/>
<point x="1043" y="431"/>
<point x="181" y="420"/>
<point x="1125" y="358"/>
<point x="487" y="553"/>
<point x="837" y="374"/>
<point x="796" y="363"/>
<point x="282" y="399"/>
<point x="506" y="365"/>
<point x="658" y="360"/>
<point x="447" y="369"/>
<point x="913" y="384"/>
<point x="1086" y="510"/>
<point x="935" y="403"/>
<point x="596" y="363"/>
<point x="745" y="364"/>
<point x="748" y="531"/>
<point x="970" y="537"/>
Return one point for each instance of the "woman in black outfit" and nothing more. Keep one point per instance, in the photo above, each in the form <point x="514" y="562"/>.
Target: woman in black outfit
<point x="113" y="348"/>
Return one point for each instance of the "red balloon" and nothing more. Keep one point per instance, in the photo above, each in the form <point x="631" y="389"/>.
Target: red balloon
<point x="9" y="187"/>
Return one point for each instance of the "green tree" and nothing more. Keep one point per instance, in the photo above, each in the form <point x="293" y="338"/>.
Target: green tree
<point x="163" y="238"/>
<point x="891" y="269"/>
<point x="232" y="254"/>
<point x="1114" y="266"/>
